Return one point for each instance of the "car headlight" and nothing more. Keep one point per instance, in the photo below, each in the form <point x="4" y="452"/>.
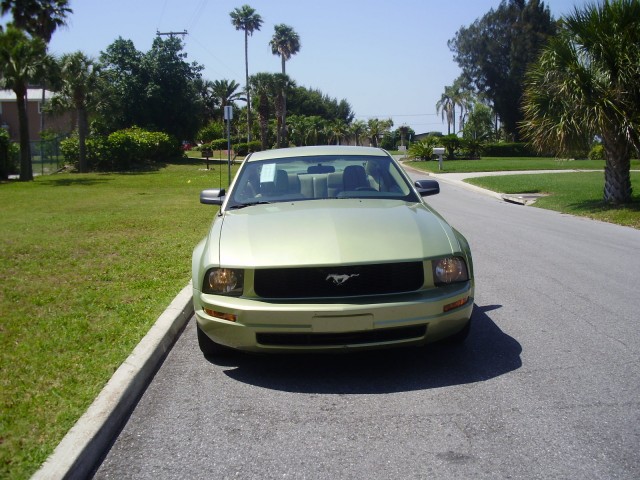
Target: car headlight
<point x="449" y="270"/>
<point x="223" y="281"/>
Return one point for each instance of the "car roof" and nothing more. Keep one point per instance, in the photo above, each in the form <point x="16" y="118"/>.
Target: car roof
<point x="316" y="151"/>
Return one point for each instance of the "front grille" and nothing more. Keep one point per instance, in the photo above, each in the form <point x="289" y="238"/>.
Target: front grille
<point x="339" y="339"/>
<point x="340" y="281"/>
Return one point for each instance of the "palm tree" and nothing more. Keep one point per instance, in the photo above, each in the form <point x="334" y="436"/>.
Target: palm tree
<point x="225" y="93"/>
<point x="22" y="60"/>
<point x="447" y="106"/>
<point x="39" y="18"/>
<point x="79" y="89"/>
<point x="404" y="129"/>
<point x="262" y="85"/>
<point x="358" y="129"/>
<point x="297" y="129"/>
<point x="316" y="127"/>
<point x="337" y="130"/>
<point x="282" y="84"/>
<point x="245" y="18"/>
<point x="454" y="95"/>
<point x="285" y="43"/>
<point x="376" y="129"/>
<point x="585" y="84"/>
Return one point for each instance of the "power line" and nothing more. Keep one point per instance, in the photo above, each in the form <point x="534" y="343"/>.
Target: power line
<point x="197" y="14"/>
<point x="171" y="34"/>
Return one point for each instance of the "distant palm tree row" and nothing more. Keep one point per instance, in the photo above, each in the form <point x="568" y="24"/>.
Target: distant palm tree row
<point x="314" y="130"/>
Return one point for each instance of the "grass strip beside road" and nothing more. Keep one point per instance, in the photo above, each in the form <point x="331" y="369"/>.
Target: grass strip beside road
<point x="577" y="193"/>
<point x="491" y="164"/>
<point x="87" y="264"/>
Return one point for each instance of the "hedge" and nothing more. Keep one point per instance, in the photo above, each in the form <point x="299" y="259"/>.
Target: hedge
<point x="508" y="150"/>
<point x="123" y="149"/>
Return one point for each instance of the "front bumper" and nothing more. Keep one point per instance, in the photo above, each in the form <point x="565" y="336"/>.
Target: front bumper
<point x="334" y="324"/>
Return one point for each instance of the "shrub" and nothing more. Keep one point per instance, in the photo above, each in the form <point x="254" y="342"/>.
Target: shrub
<point x="243" y="149"/>
<point x="597" y="152"/>
<point x="69" y="149"/>
<point x="155" y="146"/>
<point x="99" y="155"/>
<point x="505" y="149"/>
<point x="422" y="150"/>
<point x="471" y="148"/>
<point x="9" y="154"/>
<point x="219" y="144"/>
<point x="122" y="149"/>
<point x="211" y="132"/>
<point x="452" y="143"/>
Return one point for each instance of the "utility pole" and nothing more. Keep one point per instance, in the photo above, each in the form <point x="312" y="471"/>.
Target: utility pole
<point x="171" y="34"/>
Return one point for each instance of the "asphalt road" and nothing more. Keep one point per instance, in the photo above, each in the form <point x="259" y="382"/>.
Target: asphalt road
<point x="547" y="386"/>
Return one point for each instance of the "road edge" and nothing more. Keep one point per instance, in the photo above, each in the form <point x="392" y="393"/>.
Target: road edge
<point x="84" y="445"/>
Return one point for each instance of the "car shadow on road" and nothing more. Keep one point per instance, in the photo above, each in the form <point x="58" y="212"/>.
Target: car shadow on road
<point x="487" y="353"/>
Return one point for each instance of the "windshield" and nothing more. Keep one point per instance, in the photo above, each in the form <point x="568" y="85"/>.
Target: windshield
<point x="319" y="177"/>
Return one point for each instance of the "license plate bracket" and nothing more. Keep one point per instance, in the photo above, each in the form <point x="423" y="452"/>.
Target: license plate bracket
<point x="341" y="323"/>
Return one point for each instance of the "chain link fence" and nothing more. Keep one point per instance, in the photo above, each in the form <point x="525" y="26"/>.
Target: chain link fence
<point x="46" y="157"/>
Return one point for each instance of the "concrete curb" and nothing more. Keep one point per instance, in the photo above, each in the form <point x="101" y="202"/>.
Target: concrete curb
<point x="453" y="181"/>
<point x="79" y="452"/>
<point x="468" y="186"/>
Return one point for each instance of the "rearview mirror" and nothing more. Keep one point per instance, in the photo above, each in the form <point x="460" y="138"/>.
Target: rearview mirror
<point x="427" y="187"/>
<point x="213" y="196"/>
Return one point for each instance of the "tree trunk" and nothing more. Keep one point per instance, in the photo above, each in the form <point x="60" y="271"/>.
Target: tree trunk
<point x="617" y="177"/>
<point x="279" y="119"/>
<point x="263" y="114"/>
<point x="246" y="70"/>
<point x="283" y="136"/>
<point x="454" y="118"/>
<point x="26" y="169"/>
<point x="82" y="140"/>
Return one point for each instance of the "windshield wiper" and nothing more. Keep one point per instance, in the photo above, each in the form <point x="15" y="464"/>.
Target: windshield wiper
<point x="248" y="204"/>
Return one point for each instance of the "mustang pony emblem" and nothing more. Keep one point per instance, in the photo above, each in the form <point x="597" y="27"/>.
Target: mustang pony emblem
<point x="340" y="279"/>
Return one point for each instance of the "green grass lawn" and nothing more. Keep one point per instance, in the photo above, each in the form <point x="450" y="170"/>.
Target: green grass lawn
<point x="87" y="264"/>
<point x="574" y="193"/>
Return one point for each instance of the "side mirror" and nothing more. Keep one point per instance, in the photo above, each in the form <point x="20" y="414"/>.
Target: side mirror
<point x="212" y="196"/>
<point x="427" y="187"/>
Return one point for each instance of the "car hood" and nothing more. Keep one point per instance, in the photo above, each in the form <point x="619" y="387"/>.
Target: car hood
<point x="329" y="232"/>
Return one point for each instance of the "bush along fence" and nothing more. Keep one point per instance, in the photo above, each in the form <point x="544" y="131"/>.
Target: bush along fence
<point x="123" y="150"/>
<point x="5" y="167"/>
<point x="45" y="156"/>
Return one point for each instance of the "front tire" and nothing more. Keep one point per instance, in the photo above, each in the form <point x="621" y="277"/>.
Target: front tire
<point x="208" y="347"/>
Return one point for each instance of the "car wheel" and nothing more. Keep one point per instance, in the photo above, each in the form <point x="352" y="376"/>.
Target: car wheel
<point x="208" y="347"/>
<point x="459" y="337"/>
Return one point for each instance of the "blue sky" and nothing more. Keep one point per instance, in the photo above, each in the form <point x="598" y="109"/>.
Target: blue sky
<point x="386" y="61"/>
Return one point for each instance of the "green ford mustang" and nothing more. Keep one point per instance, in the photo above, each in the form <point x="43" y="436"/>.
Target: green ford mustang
<point x="327" y="249"/>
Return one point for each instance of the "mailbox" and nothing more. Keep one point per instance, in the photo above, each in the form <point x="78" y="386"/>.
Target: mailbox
<point x="439" y="151"/>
